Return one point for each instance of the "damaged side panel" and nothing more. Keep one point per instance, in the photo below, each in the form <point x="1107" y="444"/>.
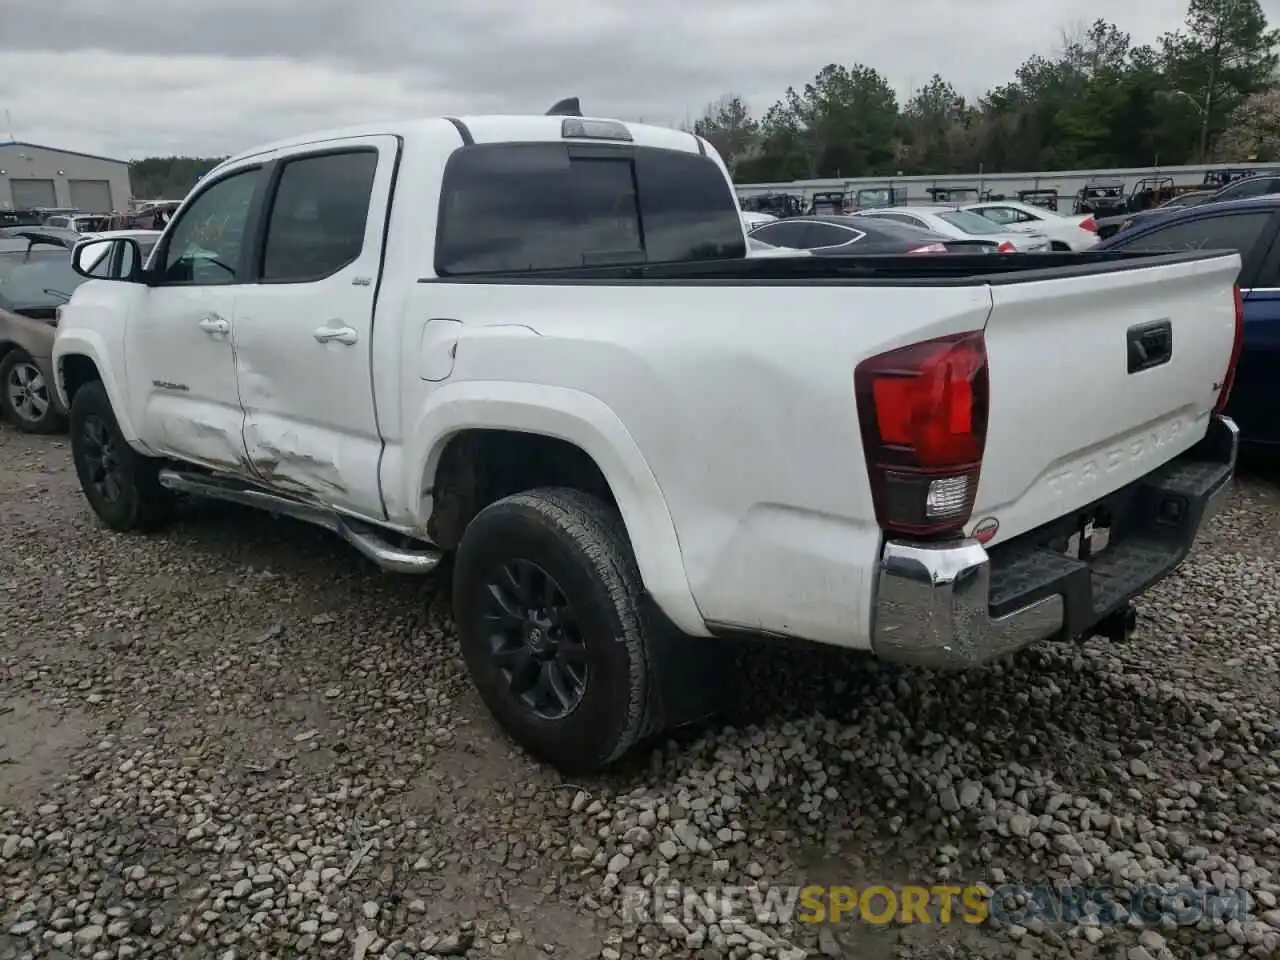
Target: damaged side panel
<point x="285" y="458"/>
<point x="302" y="348"/>
<point x="215" y="442"/>
<point x="185" y="404"/>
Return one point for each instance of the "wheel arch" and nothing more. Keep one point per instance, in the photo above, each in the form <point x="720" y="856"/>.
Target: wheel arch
<point x="79" y="359"/>
<point x="596" y="448"/>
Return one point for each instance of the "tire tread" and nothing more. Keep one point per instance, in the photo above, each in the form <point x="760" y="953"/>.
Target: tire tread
<point x="597" y="530"/>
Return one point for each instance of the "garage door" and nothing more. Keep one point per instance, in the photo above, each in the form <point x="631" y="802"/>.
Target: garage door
<point x="30" y="194"/>
<point x="90" y="196"/>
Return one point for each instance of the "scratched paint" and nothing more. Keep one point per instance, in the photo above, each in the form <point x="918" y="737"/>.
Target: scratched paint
<point x="202" y="441"/>
<point x="282" y="459"/>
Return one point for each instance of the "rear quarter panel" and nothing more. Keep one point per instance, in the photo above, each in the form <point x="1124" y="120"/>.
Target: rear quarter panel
<point x="740" y="399"/>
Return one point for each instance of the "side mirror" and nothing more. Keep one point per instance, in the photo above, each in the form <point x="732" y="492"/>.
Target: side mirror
<point x="95" y="259"/>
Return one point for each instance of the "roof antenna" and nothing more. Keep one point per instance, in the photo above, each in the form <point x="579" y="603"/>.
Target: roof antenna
<point x="568" y="107"/>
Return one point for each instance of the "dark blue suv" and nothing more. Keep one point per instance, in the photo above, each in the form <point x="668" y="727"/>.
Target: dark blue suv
<point x="1250" y="227"/>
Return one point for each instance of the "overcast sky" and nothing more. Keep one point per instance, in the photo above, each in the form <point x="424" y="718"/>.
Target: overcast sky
<point x="135" y="78"/>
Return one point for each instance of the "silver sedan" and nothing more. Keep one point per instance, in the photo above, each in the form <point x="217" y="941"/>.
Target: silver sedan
<point x="962" y="225"/>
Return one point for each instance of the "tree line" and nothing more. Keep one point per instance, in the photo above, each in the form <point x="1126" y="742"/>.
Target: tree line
<point x="1207" y="91"/>
<point x="168" y="178"/>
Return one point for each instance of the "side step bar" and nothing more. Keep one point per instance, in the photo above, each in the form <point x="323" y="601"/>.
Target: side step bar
<point x="369" y="541"/>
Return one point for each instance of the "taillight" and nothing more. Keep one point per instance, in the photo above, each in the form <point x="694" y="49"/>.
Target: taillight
<point x="1005" y="247"/>
<point x="929" y="248"/>
<point x="1090" y="224"/>
<point x="1230" y="378"/>
<point x="922" y="410"/>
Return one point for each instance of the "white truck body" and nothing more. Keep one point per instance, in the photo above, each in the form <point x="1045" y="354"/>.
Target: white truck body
<point x="716" y="399"/>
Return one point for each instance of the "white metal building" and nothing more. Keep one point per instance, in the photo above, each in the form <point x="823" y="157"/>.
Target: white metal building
<point x="32" y="176"/>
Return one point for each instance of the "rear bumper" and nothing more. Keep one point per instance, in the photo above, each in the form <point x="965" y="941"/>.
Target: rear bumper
<point x="957" y="604"/>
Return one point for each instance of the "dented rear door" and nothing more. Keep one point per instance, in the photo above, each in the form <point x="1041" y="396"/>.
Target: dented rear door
<point x="303" y="330"/>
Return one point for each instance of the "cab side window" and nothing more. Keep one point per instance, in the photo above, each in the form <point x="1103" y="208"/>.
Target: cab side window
<point x="318" y="216"/>
<point x="206" y="246"/>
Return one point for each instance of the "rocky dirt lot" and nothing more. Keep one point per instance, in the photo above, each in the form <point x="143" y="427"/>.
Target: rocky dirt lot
<point x="236" y="739"/>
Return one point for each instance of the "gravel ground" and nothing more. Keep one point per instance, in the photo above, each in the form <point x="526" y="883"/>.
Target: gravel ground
<point x="237" y="739"/>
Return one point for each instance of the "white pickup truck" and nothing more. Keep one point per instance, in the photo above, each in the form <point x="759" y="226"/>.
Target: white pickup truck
<point x="536" y="343"/>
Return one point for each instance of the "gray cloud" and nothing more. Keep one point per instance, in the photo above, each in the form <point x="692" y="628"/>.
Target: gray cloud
<point x="132" y="78"/>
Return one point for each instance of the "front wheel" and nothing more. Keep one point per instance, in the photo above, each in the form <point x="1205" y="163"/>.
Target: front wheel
<point x="122" y="486"/>
<point x="26" y="396"/>
<point x="547" y="602"/>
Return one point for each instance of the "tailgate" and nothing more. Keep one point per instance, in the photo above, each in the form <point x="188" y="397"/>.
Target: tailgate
<point x="1069" y="423"/>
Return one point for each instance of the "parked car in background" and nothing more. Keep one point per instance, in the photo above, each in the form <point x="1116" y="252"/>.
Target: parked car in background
<point x="1102" y="198"/>
<point x="36" y="280"/>
<point x="777" y="204"/>
<point x="1238" y="189"/>
<point x="874" y="198"/>
<point x="1191" y="198"/>
<point x="1258" y="185"/>
<point x="80" y="222"/>
<point x="25" y="217"/>
<point x="963" y="225"/>
<point x="752" y="219"/>
<point x="854" y="235"/>
<point x="1045" y="199"/>
<point x="1073" y="232"/>
<point x="1249" y="227"/>
<point x="758" y="248"/>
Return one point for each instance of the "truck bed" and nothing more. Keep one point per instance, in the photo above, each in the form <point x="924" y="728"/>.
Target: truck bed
<point x="869" y="270"/>
<point x="751" y="363"/>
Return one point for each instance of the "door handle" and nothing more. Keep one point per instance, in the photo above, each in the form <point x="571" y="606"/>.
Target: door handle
<point x="215" y="324"/>
<point x="336" y="335"/>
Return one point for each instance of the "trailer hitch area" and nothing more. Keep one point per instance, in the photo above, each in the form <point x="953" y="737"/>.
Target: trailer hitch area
<point x="1118" y="627"/>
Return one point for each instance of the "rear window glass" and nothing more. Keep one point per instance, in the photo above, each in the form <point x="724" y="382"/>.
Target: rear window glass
<point x="884" y="228"/>
<point x="974" y="224"/>
<point x="546" y="206"/>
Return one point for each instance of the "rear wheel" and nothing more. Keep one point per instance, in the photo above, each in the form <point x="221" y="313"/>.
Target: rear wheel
<point x="547" y="601"/>
<point x="121" y="485"/>
<point x="26" y="396"/>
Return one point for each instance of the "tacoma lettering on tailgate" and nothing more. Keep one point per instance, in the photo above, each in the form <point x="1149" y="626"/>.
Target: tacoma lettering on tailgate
<point x="1088" y="471"/>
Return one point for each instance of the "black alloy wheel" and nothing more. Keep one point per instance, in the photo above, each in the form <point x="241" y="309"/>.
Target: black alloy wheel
<point x="101" y="460"/>
<point x="535" y="640"/>
<point x="122" y="486"/>
<point x="547" y="602"/>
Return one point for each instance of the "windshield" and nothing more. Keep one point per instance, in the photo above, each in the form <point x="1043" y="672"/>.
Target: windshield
<point x="24" y="278"/>
<point x="875" y="197"/>
<point x="973" y="224"/>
